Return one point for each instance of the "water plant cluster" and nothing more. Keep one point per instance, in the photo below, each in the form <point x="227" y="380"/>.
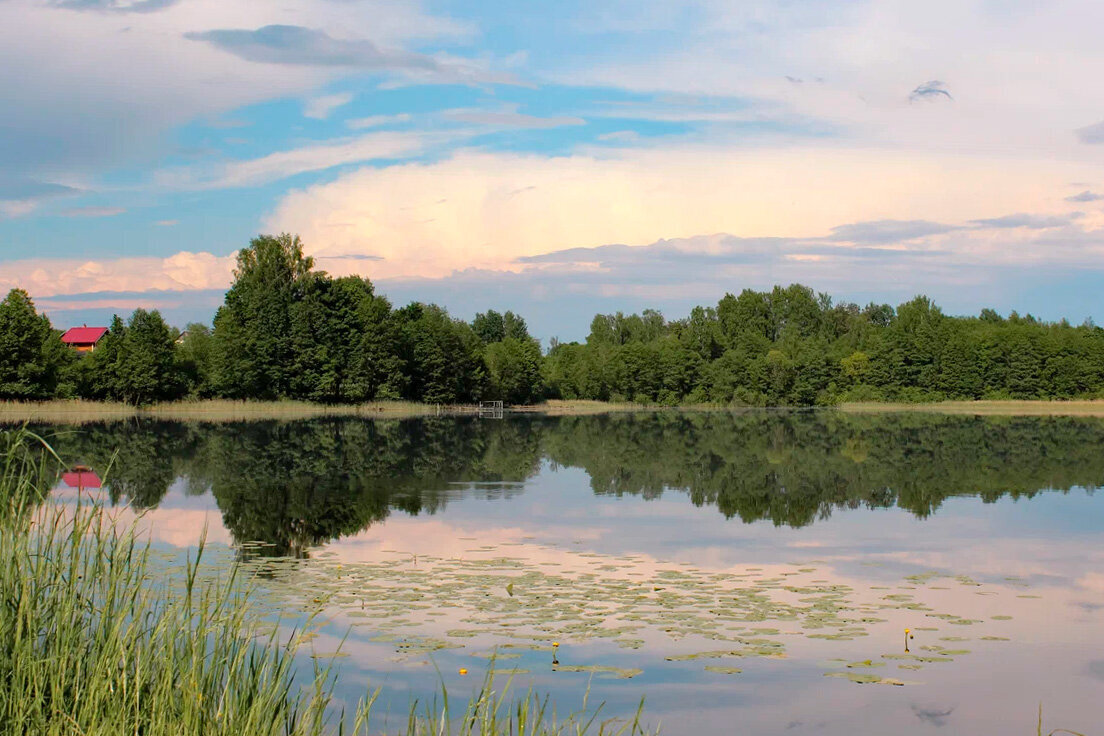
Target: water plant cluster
<point x="525" y="605"/>
<point x="97" y="637"/>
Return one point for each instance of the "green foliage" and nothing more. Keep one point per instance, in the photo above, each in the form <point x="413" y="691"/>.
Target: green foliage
<point x="513" y="370"/>
<point x="790" y="346"/>
<point x="135" y="362"/>
<point x="32" y="356"/>
<point x="296" y="485"/>
<point x="343" y="342"/>
<point x="493" y="327"/>
<point x="196" y="353"/>
<point x="253" y="329"/>
<point x="287" y="331"/>
<point x="442" y="355"/>
<point x="98" y="635"/>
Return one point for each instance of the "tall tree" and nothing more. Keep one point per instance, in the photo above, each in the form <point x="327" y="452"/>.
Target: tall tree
<point x="31" y="353"/>
<point x="343" y="345"/>
<point x="196" y="353"/>
<point x="513" y="370"/>
<point x="442" y="355"/>
<point x="147" y="368"/>
<point x="255" y="355"/>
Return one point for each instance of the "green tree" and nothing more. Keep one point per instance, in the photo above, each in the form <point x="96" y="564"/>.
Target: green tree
<point x="147" y="369"/>
<point x="513" y="370"/>
<point x="196" y="354"/>
<point x="31" y="353"/>
<point x="441" y="354"/>
<point x="255" y="357"/>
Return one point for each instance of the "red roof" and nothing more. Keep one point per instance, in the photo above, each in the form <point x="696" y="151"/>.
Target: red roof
<point x="81" y="479"/>
<point x="83" y="335"/>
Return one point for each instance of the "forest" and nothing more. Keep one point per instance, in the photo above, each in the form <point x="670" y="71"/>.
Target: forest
<point x="289" y="331"/>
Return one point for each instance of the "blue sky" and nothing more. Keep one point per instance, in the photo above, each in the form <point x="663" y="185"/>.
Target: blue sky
<point x="556" y="159"/>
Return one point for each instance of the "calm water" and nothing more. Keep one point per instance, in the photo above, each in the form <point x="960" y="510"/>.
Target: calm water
<point x="726" y="567"/>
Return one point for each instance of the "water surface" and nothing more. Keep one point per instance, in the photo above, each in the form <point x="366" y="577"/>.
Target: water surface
<point x="749" y="573"/>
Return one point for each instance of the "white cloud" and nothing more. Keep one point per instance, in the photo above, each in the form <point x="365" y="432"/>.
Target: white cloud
<point x="377" y="121"/>
<point x="282" y="164"/>
<point x="484" y="210"/>
<point x="322" y="107"/>
<point x="1021" y="92"/>
<point x="17" y="207"/>
<point x="132" y="76"/>
<point x="184" y="271"/>
<point x="507" y="116"/>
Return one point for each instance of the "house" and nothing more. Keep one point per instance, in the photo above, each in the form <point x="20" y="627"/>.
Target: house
<point x="83" y="339"/>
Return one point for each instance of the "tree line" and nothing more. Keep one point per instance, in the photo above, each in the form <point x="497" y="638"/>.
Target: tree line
<point x="285" y="331"/>
<point x="791" y="346"/>
<point x="289" y="331"/>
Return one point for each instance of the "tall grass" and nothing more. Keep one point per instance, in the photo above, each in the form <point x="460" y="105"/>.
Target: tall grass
<point x="79" y="411"/>
<point x="1055" y="407"/>
<point x="96" y="639"/>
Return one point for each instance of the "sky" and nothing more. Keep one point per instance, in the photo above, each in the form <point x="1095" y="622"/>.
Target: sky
<point x="557" y="159"/>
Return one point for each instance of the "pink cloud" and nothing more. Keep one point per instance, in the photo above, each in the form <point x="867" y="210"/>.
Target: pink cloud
<point x="184" y="271"/>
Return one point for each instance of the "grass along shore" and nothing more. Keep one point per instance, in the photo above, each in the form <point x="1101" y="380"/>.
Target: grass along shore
<point x="94" y="639"/>
<point x="80" y="411"/>
<point x="1009" y="408"/>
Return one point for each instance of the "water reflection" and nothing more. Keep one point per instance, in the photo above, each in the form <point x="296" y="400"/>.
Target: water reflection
<point x="295" y="485"/>
<point x="519" y="532"/>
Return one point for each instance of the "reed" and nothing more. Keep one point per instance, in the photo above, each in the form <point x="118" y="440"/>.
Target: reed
<point x="79" y="411"/>
<point x="1054" y="408"/>
<point x="95" y="638"/>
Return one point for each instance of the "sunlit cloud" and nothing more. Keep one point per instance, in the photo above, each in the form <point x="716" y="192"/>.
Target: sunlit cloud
<point x="115" y="6"/>
<point x="1086" y="196"/>
<point x="184" y="271"/>
<point x="486" y="210"/>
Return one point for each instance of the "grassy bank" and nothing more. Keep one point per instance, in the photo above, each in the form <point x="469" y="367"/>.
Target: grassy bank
<point x="78" y="411"/>
<point x="580" y="407"/>
<point x="96" y="639"/>
<point x="1088" y="408"/>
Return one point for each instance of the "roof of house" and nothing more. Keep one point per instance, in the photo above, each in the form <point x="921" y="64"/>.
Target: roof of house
<point x="81" y="479"/>
<point x="83" y="335"/>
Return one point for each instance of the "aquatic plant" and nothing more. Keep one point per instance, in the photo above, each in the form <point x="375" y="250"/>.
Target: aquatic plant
<point x="95" y="637"/>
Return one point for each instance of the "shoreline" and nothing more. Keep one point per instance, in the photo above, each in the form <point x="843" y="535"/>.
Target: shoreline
<point x="79" y="411"/>
<point x="1001" y="408"/>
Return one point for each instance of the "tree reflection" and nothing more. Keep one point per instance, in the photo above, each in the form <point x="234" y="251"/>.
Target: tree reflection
<point x="295" y="485"/>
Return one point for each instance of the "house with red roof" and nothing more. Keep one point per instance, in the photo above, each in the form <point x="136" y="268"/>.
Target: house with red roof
<point x="83" y="339"/>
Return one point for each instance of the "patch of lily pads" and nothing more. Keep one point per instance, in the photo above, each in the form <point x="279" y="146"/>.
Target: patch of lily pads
<point x="419" y="604"/>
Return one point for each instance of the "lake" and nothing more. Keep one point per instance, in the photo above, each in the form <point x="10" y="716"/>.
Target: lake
<point x="742" y="572"/>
